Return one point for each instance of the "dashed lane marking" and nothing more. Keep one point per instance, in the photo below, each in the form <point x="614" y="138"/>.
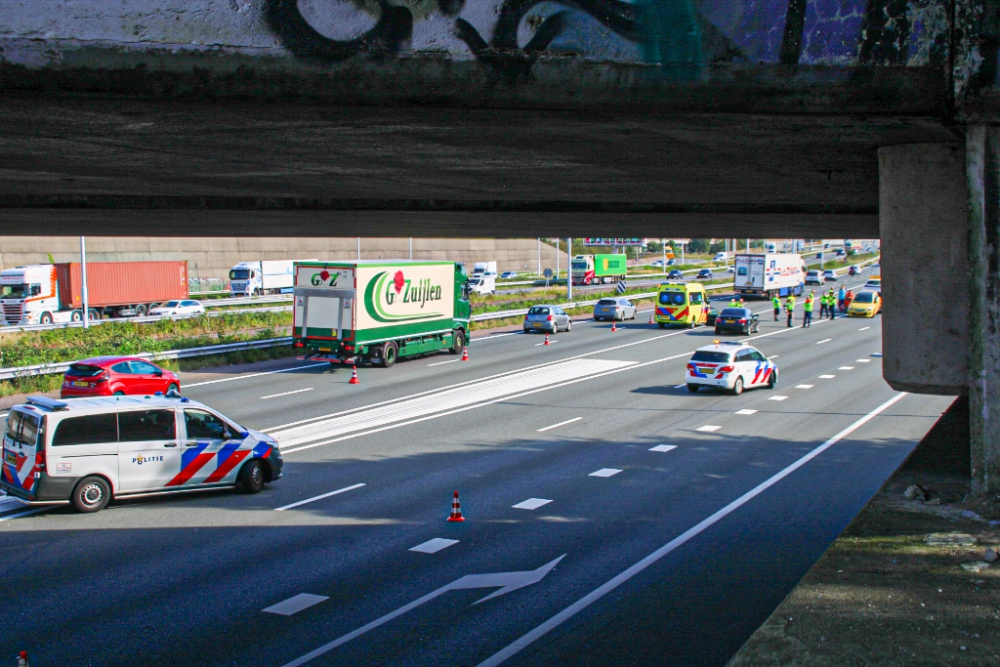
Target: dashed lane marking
<point x="295" y="604"/>
<point x="825" y="340"/>
<point x="568" y="421"/>
<point x="663" y="448"/>
<point x="287" y="393"/>
<point x="778" y="398"/>
<point x="531" y="504"/>
<point x="863" y="361"/>
<point x="254" y="375"/>
<point x="433" y="546"/>
<point x="804" y="386"/>
<point x="319" y="497"/>
<point x="605" y="472"/>
<point x="441" y="363"/>
<point x="863" y="328"/>
<point x="846" y="368"/>
<point x="708" y="428"/>
<point x="827" y="377"/>
<point x="746" y="411"/>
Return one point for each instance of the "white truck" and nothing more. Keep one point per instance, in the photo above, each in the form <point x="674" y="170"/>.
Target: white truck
<point x="721" y="257"/>
<point x="769" y="275"/>
<point x="484" y="269"/>
<point x="263" y="277"/>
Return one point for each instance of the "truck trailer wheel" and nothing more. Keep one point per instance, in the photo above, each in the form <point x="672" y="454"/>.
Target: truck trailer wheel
<point x="459" y="345"/>
<point x="389" y="354"/>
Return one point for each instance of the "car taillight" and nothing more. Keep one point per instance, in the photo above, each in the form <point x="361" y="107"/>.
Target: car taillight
<point x="548" y="319"/>
<point x="40" y="460"/>
<point x="102" y="378"/>
<point x="743" y="321"/>
<point x="691" y="368"/>
<point x="299" y="343"/>
<point x="348" y="347"/>
<point x="727" y="369"/>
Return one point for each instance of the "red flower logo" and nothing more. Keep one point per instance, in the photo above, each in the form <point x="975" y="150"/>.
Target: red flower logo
<point x="325" y="275"/>
<point x="399" y="281"/>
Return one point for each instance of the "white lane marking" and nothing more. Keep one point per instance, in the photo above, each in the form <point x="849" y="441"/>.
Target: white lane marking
<point x="663" y="448"/>
<point x="531" y="504"/>
<point x="746" y="411"/>
<point x="319" y="497"/>
<point x="773" y="356"/>
<point x="25" y="513"/>
<point x="778" y="398"/>
<point x="488" y="377"/>
<point x="827" y="377"/>
<point x="551" y="342"/>
<point x="680" y="386"/>
<point x="4" y="414"/>
<point x="820" y="342"/>
<point x="287" y="393"/>
<point x="493" y="336"/>
<point x="568" y="421"/>
<point x="863" y="328"/>
<point x="295" y="604"/>
<point x="569" y="612"/>
<point x="489" y="390"/>
<point x="876" y="354"/>
<point x="846" y="368"/>
<point x="433" y="546"/>
<point x="604" y="472"/>
<point x="440" y="363"/>
<point x="803" y="386"/>
<point x="253" y="375"/>
<point x="862" y="361"/>
<point x="708" y="429"/>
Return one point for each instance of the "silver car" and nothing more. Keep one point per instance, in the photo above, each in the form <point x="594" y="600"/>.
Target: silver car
<point x="618" y="308"/>
<point x="551" y="319"/>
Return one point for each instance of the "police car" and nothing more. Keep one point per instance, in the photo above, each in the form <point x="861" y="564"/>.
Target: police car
<point x="730" y="366"/>
<point x="86" y="451"/>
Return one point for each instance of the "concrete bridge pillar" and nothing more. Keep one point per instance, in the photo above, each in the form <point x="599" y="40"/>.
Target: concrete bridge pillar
<point x="939" y="216"/>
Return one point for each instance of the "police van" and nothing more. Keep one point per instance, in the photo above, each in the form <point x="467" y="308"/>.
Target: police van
<point x="86" y="451"/>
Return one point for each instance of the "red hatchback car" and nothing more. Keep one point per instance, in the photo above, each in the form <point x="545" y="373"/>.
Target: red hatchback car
<point x="116" y="376"/>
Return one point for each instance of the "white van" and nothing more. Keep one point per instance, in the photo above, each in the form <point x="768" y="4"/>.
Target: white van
<point x="86" y="451"/>
<point x="483" y="284"/>
<point x="721" y="257"/>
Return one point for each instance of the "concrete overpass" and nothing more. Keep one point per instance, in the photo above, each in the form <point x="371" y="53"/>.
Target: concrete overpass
<point x="787" y="118"/>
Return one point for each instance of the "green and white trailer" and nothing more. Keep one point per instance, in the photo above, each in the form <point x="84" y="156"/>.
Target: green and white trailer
<point x="379" y="311"/>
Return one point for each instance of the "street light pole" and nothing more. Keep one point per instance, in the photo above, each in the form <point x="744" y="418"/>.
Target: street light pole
<point x="411" y="248"/>
<point x="539" y="257"/>
<point x="569" y="272"/>
<point x="83" y="282"/>
<point x="359" y="248"/>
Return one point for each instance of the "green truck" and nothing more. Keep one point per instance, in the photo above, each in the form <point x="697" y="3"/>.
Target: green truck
<point x="594" y="269"/>
<point x="379" y="311"/>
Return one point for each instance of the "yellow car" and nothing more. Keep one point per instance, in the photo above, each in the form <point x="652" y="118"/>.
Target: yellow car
<point x="865" y="304"/>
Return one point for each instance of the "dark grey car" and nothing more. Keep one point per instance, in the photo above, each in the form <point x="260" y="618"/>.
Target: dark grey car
<point x="617" y="308"/>
<point x="550" y="319"/>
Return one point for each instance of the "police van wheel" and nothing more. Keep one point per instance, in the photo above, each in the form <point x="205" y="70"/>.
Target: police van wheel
<point x="738" y="386"/>
<point x="252" y="477"/>
<point x="773" y="380"/>
<point x="693" y="388"/>
<point x="661" y="325"/>
<point x="91" y="495"/>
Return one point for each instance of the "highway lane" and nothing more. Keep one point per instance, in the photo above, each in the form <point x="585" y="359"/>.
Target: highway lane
<point x="226" y="557"/>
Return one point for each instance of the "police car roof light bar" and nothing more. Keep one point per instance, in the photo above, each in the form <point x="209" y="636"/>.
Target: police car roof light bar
<point x="47" y="403"/>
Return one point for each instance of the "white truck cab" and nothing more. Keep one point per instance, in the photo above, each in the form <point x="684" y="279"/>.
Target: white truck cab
<point x="86" y="451"/>
<point x="29" y="294"/>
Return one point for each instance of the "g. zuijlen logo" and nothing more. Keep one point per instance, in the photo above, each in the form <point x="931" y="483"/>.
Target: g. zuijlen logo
<point x="140" y="459"/>
<point x="324" y="278"/>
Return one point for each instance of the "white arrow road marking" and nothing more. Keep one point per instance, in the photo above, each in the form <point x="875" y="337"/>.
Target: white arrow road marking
<point x="505" y="581"/>
<point x="595" y="595"/>
<point x="531" y="504"/>
<point x="663" y="448"/>
<point x="434" y="546"/>
<point x="295" y="604"/>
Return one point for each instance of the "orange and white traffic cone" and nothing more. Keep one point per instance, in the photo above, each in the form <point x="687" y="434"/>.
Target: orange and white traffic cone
<point x="465" y="354"/>
<point x="546" y="340"/>
<point x="614" y="325"/>
<point x="22" y="659"/>
<point x="652" y="320"/>
<point x="456" y="509"/>
<point x="354" y="376"/>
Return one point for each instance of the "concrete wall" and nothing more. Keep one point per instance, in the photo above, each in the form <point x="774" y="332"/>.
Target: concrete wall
<point x="923" y="215"/>
<point x="212" y="257"/>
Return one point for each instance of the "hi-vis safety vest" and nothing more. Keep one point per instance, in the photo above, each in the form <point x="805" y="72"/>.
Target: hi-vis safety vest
<point x="777" y="303"/>
<point x="808" y="305"/>
<point x="790" y="303"/>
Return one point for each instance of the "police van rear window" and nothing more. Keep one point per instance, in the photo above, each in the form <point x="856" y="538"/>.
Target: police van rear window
<point x="86" y="430"/>
<point x="22" y="428"/>
<point x="714" y="357"/>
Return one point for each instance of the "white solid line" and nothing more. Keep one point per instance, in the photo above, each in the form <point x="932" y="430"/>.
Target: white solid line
<point x="680" y="386"/>
<point x="708" y="429"/>
<point x="863" y="361"/>
<point x="433" y="546"/>
<point x="746" y="411"/>
<point x="568" y="421"/>
<point x="863" y="328"/>
<point x="820" y="342"/>
<point x="846" y="368"/>
<point x="320" y="497"/>
<point x="827" y="377"/>
<point x="450" y="361"/>
<point x="773" y="356"/>
<point x="287" y="393"/>
<point x="531" y="504"/>
<point x="252" y="375"/>
<point x="25" y="513"/>
<point x="295" y="604"/>
<point x="492" y="336"/>
<point x="804" y="386"/>
<point x="663" y="448"/>
<point x="599" y="592"/>
<point x="604" y="472"/>
<point x="777" y="398"/>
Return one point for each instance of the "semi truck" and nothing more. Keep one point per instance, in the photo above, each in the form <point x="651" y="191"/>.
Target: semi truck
<point x="769" y="275"/>
<point x="52" y="293"/>
<point x="484" y="269"/>
<point x="593" y="269"/>
<point x="378" y="312"/>
<point x="263" y="277"/>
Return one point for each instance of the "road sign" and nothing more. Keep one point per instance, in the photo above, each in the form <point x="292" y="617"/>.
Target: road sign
<point x="632" y="242"/>
<point x="621" y="287"/>
<point x="547" y="273"/>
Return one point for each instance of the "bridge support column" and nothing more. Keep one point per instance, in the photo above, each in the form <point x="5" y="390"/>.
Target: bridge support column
<point x="983" y="176"/>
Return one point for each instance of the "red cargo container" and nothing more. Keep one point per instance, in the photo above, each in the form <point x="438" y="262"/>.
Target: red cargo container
<point x="117" y="284"/>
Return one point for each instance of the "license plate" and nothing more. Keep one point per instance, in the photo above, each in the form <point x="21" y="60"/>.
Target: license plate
<point x="730" y="321"/>
<point x="325" y="349"/>
<point x="11" y="459"/>
<point x="537" y="324"/>
<point x="81" y="384"/>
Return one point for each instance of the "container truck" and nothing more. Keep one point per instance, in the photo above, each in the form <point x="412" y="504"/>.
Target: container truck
<point x="379" y="311"/>
<point x="594" y="269"/>
<point x="769" y="275"/>
<point x="484" y="269"/>
<point x="264" y="277"/>
<point x="48" y="293"/>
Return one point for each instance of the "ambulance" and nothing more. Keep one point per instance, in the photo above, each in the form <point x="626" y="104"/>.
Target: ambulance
<point x="681" y="304"/>
<point x="88" y="451"/>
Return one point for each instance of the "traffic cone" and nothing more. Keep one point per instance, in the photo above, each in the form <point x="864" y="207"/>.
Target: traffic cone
<point x="22" y="659"/>
<point x="614" y="325"/>
<point x="652" y="320"/>
<point x="547" y="339"/>
<point x="456" y="509"/>
<point x="354" y="376"/>
<point x="465" y="354"/>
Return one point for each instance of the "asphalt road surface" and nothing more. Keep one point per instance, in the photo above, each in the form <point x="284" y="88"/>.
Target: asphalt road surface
<point x="612" y="518"/>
